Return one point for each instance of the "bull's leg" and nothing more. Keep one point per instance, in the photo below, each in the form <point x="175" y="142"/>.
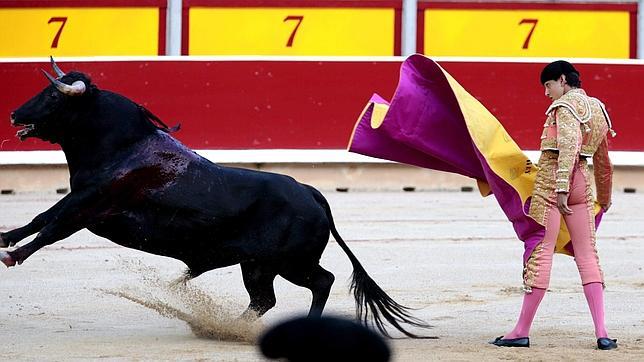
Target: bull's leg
<point x="258" y="280"/>
<point x="10" y="238"/>
<point x="49" y="235"/>
<point x="317" y="279"/>
<point x="74" y="212"/>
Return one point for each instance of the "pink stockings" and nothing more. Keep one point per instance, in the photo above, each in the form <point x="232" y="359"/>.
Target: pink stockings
<point x="528" y="310"/>
<point x="594" y="295"/>
<point x="582" y="233"/>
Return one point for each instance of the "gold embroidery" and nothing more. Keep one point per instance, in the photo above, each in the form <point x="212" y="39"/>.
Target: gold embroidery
<point x="588" y="111"/>
<point x="568" y="143"/>
<point x="543" y="195"/>
<point x="576" y="126"/>
<point x="599" y="127"/>
<point x="576" y="102"/>
<point x="603" y="170"/>
<point x="531" y="268"/>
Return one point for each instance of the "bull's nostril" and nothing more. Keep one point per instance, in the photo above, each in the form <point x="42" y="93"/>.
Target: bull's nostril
<point x="13" y="118"/>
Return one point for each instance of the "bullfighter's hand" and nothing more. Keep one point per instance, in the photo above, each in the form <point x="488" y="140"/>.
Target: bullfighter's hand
<point x="562" y="203"/>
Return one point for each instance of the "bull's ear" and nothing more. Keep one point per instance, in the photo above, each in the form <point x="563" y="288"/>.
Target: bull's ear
<point x="59" y="73"/>
<point x="76" y="89"/>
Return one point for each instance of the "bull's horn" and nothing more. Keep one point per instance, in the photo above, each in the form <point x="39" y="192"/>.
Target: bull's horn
<point x="59" y="73"/>
<point x="77" y="88"/>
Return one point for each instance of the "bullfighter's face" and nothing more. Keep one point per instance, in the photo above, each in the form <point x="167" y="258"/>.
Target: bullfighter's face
<point x="554" y="89"/>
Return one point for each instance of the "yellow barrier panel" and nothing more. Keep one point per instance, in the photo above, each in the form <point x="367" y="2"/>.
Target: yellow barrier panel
<point x="291" y="31"/>
<point x="529" y="33"/>
<point x="78" y="31"/>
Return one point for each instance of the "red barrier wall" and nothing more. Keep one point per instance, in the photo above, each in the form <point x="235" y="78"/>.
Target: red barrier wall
<point x="314" y="104"/>
<point x="630" y="7"/>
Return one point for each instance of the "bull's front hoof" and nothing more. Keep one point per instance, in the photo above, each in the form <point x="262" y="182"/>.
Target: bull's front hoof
<point x="7" y="259"/>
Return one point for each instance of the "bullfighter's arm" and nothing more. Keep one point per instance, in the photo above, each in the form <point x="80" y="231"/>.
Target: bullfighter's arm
<point x="603" y="170"/>
<point x="568" y="143"/>
<point x="12" y="237"/>
<point x="76" y="213"/>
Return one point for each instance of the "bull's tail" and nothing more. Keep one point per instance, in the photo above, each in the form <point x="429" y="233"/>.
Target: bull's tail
<point x="371" y="301"/>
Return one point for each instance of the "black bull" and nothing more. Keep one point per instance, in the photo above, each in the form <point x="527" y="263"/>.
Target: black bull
<point x="134" y="184"/>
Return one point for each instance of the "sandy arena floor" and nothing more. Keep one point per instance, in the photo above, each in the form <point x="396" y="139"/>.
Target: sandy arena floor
<point x="453" y="256"/>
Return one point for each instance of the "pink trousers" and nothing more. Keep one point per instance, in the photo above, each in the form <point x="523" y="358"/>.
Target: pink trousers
<point x="580" y="224"/>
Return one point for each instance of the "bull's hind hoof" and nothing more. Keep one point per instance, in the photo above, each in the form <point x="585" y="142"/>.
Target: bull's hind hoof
<point x="7" y="259"/>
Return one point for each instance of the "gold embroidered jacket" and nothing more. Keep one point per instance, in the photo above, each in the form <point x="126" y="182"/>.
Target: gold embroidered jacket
<point x="577" y="126"/>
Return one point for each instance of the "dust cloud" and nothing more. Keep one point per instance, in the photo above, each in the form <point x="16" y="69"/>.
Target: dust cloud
<point x="208" y="317"/>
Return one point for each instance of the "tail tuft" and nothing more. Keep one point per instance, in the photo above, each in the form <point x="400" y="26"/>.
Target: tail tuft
<point x="373" y="305"/>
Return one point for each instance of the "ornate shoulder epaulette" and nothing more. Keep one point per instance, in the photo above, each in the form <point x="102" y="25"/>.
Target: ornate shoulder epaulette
<point x="603" y="108"/>
<point x="578" y="104"/>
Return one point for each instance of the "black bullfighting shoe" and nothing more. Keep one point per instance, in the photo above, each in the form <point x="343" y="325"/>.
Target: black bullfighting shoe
<point x="512" y="342"/>
<point x="606" y="343"/>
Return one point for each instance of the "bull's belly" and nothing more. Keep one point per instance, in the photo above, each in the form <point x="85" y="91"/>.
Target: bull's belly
<point x="154" y="232"/>
<point x="196" y="238"/>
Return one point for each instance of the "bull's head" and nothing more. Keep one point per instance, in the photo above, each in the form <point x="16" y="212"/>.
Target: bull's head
<point x="46" y="115"/>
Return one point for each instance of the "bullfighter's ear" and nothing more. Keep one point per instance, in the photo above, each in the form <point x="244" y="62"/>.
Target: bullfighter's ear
<point x="59" y="73"/>
<point x="76" y="89"/>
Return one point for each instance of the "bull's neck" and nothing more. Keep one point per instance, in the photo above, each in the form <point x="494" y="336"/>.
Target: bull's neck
<point x="94" y="155"/>
<point x="81" y="161"/>
<point x="111" y="126"/>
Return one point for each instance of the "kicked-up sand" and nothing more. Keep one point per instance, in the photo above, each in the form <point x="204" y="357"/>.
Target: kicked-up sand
<point x="453" y="257"/>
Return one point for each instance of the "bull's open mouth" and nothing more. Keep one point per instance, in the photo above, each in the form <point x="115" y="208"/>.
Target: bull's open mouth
<point x="26" y="131"/>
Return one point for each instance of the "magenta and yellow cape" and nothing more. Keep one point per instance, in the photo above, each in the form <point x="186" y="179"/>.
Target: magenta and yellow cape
<point x="433" y="122"/>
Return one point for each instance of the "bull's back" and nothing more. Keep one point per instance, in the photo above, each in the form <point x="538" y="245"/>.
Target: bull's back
<point x="167" y="195"/>
<point x="259" y="195"/>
